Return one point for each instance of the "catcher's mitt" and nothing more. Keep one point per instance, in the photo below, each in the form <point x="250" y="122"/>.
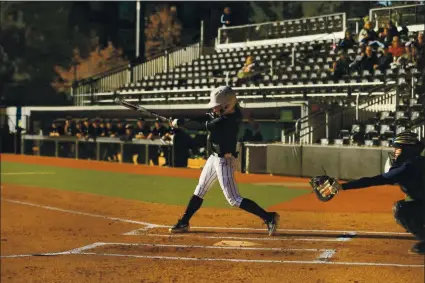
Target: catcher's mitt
<point x="325" y="187"/>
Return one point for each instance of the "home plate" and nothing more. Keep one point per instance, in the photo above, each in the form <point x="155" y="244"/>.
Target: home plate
<point x="235" y="244"/>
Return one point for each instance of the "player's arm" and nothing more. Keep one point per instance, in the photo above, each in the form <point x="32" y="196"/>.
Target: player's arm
<point x="214" y="123"/>
<point x="389" y="178"/>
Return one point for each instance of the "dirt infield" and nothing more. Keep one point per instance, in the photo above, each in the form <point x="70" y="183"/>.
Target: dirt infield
<point x="105" y="239"/>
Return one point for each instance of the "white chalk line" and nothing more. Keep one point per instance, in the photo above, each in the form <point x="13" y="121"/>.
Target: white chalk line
<point x="152" y="225"/>
<point x="259" y="260"/>
<point x="73" y="251"/>
<point x="326" y="255"/>
<point x="28" y="173"/>
<point x="245" y="238"/>
<point x="80" y="213"/>
<point x="217" y="247"/>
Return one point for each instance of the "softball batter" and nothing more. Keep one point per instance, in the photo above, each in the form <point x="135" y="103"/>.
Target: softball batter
<point x="223" y="133"/>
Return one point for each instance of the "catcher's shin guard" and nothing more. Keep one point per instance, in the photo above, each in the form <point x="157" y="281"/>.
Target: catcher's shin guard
<point x="409" y="214"/>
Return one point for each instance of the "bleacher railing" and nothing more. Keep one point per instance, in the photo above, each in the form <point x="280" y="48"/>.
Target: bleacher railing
<point x="120" y="76"/>
<point x="307" y="128"/>
<point x="283" y="29"/>
<point x="401" y="15"/>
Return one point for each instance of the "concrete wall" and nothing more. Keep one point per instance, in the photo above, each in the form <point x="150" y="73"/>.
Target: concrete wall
<point x="344" y="162"/>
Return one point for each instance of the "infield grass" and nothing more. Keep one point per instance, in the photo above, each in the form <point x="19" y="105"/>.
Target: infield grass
<point x="156" y="189"/>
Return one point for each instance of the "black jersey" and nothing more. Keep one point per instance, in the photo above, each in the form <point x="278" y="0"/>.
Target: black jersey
<point x="224" y="132"/>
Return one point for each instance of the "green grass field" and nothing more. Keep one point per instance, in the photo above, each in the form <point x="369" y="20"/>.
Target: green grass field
<point x="167" y="190"/>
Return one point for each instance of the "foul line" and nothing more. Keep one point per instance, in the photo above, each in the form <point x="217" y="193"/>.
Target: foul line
<point x="81" y="213"/>
<point x="28" y="173"/>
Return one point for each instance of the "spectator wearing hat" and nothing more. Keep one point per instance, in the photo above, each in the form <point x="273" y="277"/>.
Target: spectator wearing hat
<point x="111" y="150"/>
<point x="384" y="61"/>
<point x="68" y="148"/>
<point x="408" y="58"/>
<point x="385" y="38"/>
<point x="55" y="129"/>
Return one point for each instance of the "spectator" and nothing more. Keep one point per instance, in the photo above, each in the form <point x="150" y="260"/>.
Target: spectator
<point x="69" y="128"/>
<point x="396" y="48"/>
<point x="420" y="44"/>
<point x="258" y="137"/>
<point x="157" y="132"/>
<point x="102" y="129"/>
<point x="369" y="60"/>
<point x="248" y="71"/>
<point x="225" y="19"/>
<point x="347" y="42"/>
<point x="126" y="137"/>
<point x="142" y="131"/>
<point x="342" y="66"/>
<point x="384" y="61"/>
<point x="111" y="149"/>
<point x="385" y="38"/>
<point x="183" y="143"/>
<point x="120" y="128"/>
<point x="367" y="34"/>
<point x="408" y="58"/>
<point x="79" y="129"/>
<point x="55" y="130"/>
<point x="247" y="136"/>
<point x="392" y="30"/>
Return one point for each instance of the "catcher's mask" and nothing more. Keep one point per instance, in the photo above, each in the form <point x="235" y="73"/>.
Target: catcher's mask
<point x="224" y="97"/>
<point x="409" y="145"/>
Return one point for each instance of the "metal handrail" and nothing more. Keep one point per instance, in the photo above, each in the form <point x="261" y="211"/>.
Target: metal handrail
<point x="323" y="111"/>
<point x="345" y="110"/>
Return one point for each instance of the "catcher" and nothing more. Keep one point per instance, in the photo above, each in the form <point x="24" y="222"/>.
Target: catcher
<point x="408" y="170"/>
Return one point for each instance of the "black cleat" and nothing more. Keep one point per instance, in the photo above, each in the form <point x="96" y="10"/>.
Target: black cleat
<point x="418" y="248"/>
<point x="272" y="225"/>
<point x="180" y="227"/>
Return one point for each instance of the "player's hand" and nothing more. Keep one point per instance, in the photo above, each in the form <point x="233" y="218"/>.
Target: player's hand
<point x="174" y="123"/>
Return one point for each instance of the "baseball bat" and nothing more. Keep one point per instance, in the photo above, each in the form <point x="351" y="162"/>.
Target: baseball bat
<point x="139" y="108"/>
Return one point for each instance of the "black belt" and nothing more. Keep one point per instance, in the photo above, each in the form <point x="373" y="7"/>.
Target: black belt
<point x="234" y="154"/>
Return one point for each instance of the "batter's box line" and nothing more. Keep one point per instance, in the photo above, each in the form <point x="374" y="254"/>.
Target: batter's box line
<point x="148" y="225"/>
<point x="259" y="260"/>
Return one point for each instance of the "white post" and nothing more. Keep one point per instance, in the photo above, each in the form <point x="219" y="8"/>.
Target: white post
<point x="137" y="28"/>
<point x="357" y="106"/>
<point x="357" y="27"/>
<point x="413" y="86"/>
<point x="202" y="39"/>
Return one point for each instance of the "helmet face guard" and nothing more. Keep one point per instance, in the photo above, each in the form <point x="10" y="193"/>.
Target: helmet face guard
<point x="409" y="144"/>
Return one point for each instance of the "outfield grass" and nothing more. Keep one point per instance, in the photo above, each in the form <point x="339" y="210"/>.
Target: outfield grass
<point x="157" y="189"/>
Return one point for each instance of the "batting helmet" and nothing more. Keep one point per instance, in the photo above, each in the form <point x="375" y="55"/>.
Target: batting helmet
<point x="223" y="96"/>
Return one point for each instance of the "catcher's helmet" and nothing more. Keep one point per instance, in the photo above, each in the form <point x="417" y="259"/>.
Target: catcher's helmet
<point x="223" y="96"/>
<point x="410" y="145"/>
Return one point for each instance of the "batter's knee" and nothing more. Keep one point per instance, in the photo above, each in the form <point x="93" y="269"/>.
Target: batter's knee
<point x="234" y="201"/>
